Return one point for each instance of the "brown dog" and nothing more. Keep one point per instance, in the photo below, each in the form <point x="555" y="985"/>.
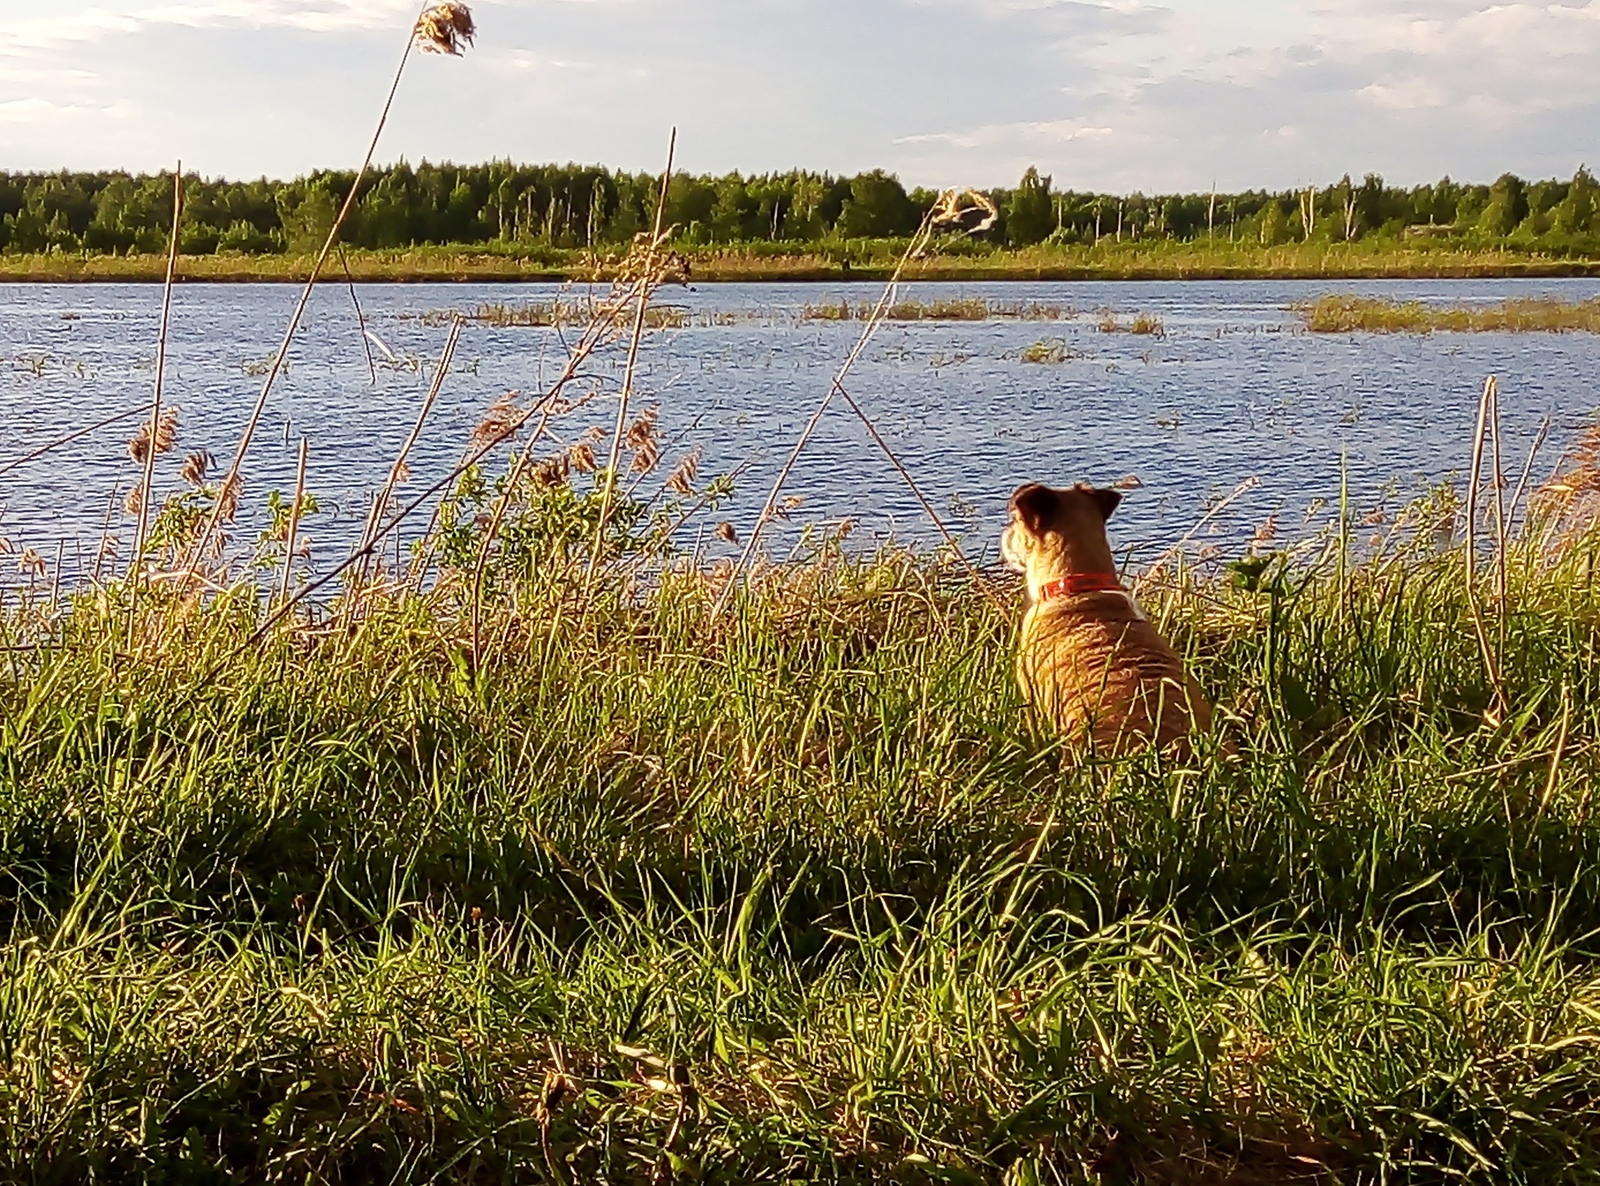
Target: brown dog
<point x="1090" y="662"/>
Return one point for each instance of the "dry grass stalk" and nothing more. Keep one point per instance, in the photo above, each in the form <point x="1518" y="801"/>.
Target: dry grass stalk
<point x="400" y="471"/>
<point x="295" y="510"/>
<point x="641" y="286"/>
<point x="456" y="13"/>
<point x="445" y="29"/>
<point x="160" y="432"/>
<point x="1487" y="406"/>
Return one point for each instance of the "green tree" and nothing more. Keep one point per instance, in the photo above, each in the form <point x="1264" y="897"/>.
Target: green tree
<point x="1575" y="215"/>
<point x="878" y="208"/>
<point x="1030" y="216"/>
<point x="1274" y="224"/>
<point x="1508" y="206"/>
<point x="307" y="221"/>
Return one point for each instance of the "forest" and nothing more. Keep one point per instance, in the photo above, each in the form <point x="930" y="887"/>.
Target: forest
<point x="523" y="210"/>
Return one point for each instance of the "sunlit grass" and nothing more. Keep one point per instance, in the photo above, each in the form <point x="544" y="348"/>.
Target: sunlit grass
<point x="796" y="893"/>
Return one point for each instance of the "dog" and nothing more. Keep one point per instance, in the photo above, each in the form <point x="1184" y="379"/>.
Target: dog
<point x="1089" y="661"/>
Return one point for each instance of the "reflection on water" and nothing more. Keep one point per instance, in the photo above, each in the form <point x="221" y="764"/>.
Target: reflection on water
<point x="1233" y="389"/>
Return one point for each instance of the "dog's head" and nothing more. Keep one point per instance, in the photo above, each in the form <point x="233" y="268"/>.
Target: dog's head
<point x="1056" y="533"/>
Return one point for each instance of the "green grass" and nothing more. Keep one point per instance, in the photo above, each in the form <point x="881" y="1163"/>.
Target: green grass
<point x="868" y="259"/>
<point x="796" y="894"/>
<point x="1347" y="314"/>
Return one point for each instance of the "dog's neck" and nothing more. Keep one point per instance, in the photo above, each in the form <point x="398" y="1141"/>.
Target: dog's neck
<point x="1076" y="584"/>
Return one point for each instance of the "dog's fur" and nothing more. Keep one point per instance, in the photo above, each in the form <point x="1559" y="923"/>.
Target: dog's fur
<point x="1090" y="663"/>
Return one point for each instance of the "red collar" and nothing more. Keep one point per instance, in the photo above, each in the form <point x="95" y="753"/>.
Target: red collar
<point x="1080" y="582"/>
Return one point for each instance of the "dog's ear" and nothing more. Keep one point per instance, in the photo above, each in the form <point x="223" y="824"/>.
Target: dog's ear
<point x="1107" y="500"/>
<point x="1033" y="504"/>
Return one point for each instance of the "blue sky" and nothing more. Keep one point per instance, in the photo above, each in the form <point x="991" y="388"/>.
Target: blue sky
<point x="1119" y="95"/>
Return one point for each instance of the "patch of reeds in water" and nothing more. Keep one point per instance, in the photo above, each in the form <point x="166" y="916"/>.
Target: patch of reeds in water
<point x="954" y="309"/>
<point x="1351" y="314"/>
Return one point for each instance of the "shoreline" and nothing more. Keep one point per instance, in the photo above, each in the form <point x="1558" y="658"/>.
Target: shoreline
<point x="454" y="268"/>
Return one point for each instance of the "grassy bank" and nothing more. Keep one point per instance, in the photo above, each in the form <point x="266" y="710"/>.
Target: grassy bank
<point x="855" y="259"/>
<point x="635" y="892"/>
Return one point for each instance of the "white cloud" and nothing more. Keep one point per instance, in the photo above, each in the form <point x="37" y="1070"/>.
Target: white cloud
<point x="1126" y="94"/>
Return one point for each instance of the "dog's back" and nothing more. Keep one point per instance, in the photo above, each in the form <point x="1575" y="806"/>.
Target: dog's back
<point x="1089" y="661"/>
<point x="1095" y="667"/>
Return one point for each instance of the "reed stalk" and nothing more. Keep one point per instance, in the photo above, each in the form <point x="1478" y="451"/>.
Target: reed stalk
<point x="381" y="505"/>
<point x="253" y="422"/>
<point x="295" y="509"/>
<point x="1491" y="663"/>
<point x="868" y="331"/>
<point x="641" y="297"/>
<point x="361" y="317"/>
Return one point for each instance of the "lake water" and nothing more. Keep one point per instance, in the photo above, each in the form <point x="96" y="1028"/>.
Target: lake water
<point x="1235" y="389"/>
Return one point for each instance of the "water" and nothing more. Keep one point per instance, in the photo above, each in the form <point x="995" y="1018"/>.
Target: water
<point x="1234" y="390"/>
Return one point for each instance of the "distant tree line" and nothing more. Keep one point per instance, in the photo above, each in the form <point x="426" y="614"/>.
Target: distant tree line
<point x="574" y="206"/>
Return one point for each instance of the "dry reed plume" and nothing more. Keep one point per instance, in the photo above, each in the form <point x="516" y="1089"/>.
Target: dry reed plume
<point x="446" y="29"/>
<point x="965" y="210"/>
<point x="1570" y="501"/>
<point x="196" y="466"/>
<point x="163" y="433"/>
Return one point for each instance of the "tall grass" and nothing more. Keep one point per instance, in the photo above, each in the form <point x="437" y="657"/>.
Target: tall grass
<point x="794" y="892"/>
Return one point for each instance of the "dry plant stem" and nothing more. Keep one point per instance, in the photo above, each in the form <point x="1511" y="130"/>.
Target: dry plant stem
<point x="381" y="505"/>
<point x="1499" y="480"/>
<point x="1239" y="491"/>
<point x="294" y="520"/>
<point x="147" y="482"/>
<point x="641" y="298"/>
<point x="1491" y="665"/>
<point x="361" y="318"/>
<point x="1553" y="779"/>
<point x="1527" y="469"/>
<point x="300" y="307"/>
<point x="868" y="331"/>
<point x="966" y="562"/>
<point x="63" y="442"/>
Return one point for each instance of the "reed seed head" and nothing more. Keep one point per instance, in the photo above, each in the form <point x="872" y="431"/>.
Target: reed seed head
<point x="726" y="533"/>
<point x="228" y="498"/>
<point x="966" y="210"/>
<point x="681" y="480"/>
<point x="31" y="562"/>
<point x="196" y="466"/>
<point x="583" y="458"/>
<point x="552" y="471"/>
<point x="134" y="503"/>
<point x="163" y="435"/>
<point x="499" y="422"/>
<point x="642" y="433"/>
<point x="446" y="29"/>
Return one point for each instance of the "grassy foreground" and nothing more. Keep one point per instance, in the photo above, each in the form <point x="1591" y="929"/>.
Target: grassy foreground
<point x="794" y="894"/>
<point x="867" y="259"/>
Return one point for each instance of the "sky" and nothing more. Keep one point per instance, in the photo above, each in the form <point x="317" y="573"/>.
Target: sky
<point x="1114" y="95"/>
